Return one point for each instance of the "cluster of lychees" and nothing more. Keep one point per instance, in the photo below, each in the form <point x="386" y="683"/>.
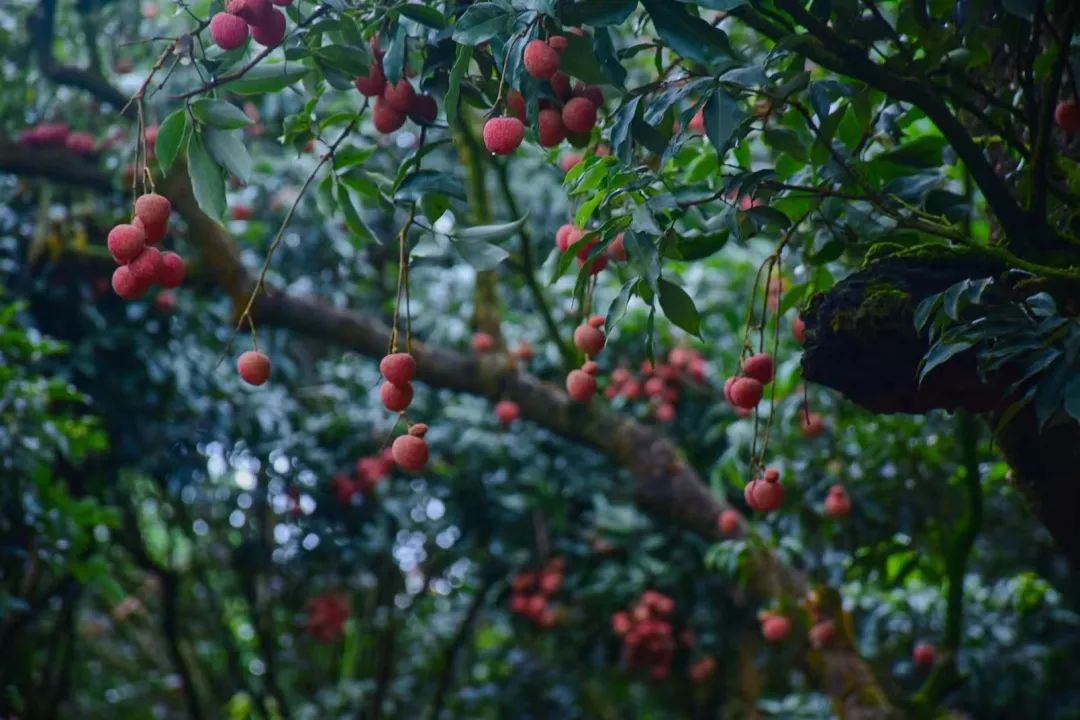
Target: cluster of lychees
<point x="265" y="23"/>
<point x="134" y="247"/>
<point x="369" y="472"/>
<point x="326" y="618"/>
<point x="58" y="134"/>
<point x="589" y="339"/>
<point x="409" y="451"/>
<point x="660" y="384"/>
<point x="744" y="391"/>
<point x="394" y="101"/>
<point x="647" y="634"/>
<point x="765" y="493"/>
<point x="572" y="115"/>
<point x="568" y="236"/>
<point x="531" y="592"/>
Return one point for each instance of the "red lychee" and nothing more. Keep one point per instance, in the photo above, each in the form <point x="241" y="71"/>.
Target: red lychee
<point x="153" y="209"/>
<point x="813" y="424"/>
<point x="579" y="115"/>
<point x="924" y="655"/>
<point x="562" y="236"/>
<point x="557" y="43"/>
<point x="125" y="243"/>
<point x="399" y="96"/>
<point x="398" y="368"/>
<point x="171" y="270"/>
<point x="254" y="367"/>
<point x="410" y="452"/>
<point x="271" y="31"/>
<point x="560" y="85"/>
<point x="745" y="393"/>
<point x="541" y="60"/>
<point x="146" y="266"/>
<point x="502" y="135"/>
<point x="551" y="130"/>
<point x="617" y="249"/>
<point x="774" y="628"/>
<point x="589" y="340"/>
<point x="822" y="634"/>
<point x="507" y="411"/>
<point x="580" y="385"/>
<point x="126" y="285"/>
<point x="798" y="330"/>
<point x="764" y="496"/>
<point x="1067" y="116"/>
<point x="482" y="342"/>
<point x="396" y="398"/>
<point x="386" y="118"/>
<point x="423" y="110"/>
<point x="253" y="12"/>
<point x="154" y="233"/>
<point x="372" y="84"/>
<point x="592" y="93"/>
<point x="759" y="367"/>
<point x="228" y="31"/>
<point x="837" y="503"/>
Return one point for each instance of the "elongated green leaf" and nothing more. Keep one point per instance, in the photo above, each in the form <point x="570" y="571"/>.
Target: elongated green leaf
<point x="394" y="59"/>
<point x="491" y="232"/>
<point x="170" y="139"/>
<point x="227" y="148"/>
<point x="423" y="14"/>
<point x="689" y="36"/>
<point x="617" y="309"/>
<point x="219" y="114"/>
<point x="207" y="179"/>
<point x="349" y="60"/>
<point x="679" y="307"/>
<point x="722" y="114"/>
<point x="453" y="92"/>
<point x="481" y="255"/>
<point x="266" y="79"/>
<point x="598" y="12"/>
<point x="481" y="22"/>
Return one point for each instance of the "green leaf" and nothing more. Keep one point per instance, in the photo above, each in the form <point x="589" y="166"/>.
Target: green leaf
<point x="923" y="152"/>
<point x="481" y="255"/>
<point x="1048" y="395"/>
<point x="579" y="60"/>
<point x="679" y="307"/>
<point x="426" y="181"/>
<point x="457" y="73"/>
<point x="689" y="36"/>
<point x="722" y="114"/>
<point x="622" y="145"/>
<point x="491" y="232"/>
<point x="643" y="257"/>
<point x="394" y="59"/>
<point x="423" y="14"/>
<point x="722" y="5"/>
<point x="207" y="180"/>
<point x="352" y="217"/>
<point x="219" y="114"/>
<point x="170" y="139"/>
<point x="227" y="148"/>
<point x="1072" y="398"/>
<point x="598" y="12"/>
<point x="481" y="22"/>
<point x="939" y="354"/>
<point x="266" y="79"/>
<point x="605" y="54"/>
<point x="352" y="61"/>
<point x="617" y="309"/>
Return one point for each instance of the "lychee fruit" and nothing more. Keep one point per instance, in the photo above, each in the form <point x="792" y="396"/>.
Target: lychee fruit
<point x="386" y="118"/>
<point x="165" y="302"/>
<point x="557" y="43"/>
<point x="396" y="398"/>
<point x="410" y="451"/>
<point x="254" y="12"/>
<point x="171" y="270"/>
<point x="924" y="655"/>
<point x="271" y="31"/>
<point x="502" y="135"/>
<point x="822" y="634"/>
<point x="1067" y="116"/>
<point x="812" y="424"/>
<point x="729" y="522"/>
<point x="579" y="115"/>
<point x="398" y="368"/>
<point x="562" y="236"/>
<point x="837" y="503"/>
<point x="507" y="411"/>
<point x="541" y="60"/>
<point x="775" y="627"/>
<point x="126" y="285"/>
<point x="228" y="31"/>
<point x="254" y="367"/>
<point x="482" y="342"/>
<point x="560" y="85"/>
<point x="154" y="233"/>
<point x="580" y="385"/>
<point x="592" y="93"/>
<point x="745" y="392"/>
<point x="583" y="256"/>
<point x="399" y="96"/>
<point x="372" y="84"/>
<point x="617" y="249"/>
<point x="798" y="329"/>
<point x="589" y="340"/>
<point x="125" y="243"/>
<point x="146" y="266"/>
<point x="760" y="367"/>
<point x="551" y="130"/>
<point x="423" y="110"/>
<point x="764" y="496"/>
<point x="665" y="412"/>
<point x="697" y="123"/>
<point x="153" y="209"/>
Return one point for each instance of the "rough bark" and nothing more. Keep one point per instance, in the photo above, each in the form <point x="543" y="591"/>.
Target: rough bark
<point x="861" y="341"/>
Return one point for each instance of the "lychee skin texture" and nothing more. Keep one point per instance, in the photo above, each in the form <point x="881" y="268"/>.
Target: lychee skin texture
<point x="775" y="628"/>
<point x="729" y="522"/>
<point x="125" y="243"/>
<point x="798" y="330"/>
<point x="385" y="118"/>
<point x="153" y="209"/>
<point x="271" y="31"/>
<point x="617" y="249"/>
<point x="579" y="115"/>
<point x="541" y="60"/>
<point x="418" y="429"/>
<point x="759" y="367"/>
<point x="592" y="93"/>
<point x="924" y="655"/>
<point x="398" y="368"/>
<point x="410" y="452"/>
<point x="396" y="398"/>
<point x="764" y="496"/>
<point x="557" y="43"/>
<point x="745" y="393"/>
<point x="560" y="85"/>
<point x="727" y="389"/>
<point x="589" y="340"/>
<point x="423" y="110"/>
<point x="254" y="367"/>
<point x="229" y="31"/>
<point x="502" y="135"/>
<point x="154" y="233"/>
<point x="399" y="96"/>
<point x="253" y="12"/>
<point x="562" y="237"/>
<point x="1067" y="116"/>
<point x="515" y="105"/>
<point x="573" y="237"/>
<point x="591" y="368"/>
<point x="127" y="285"/>
<point x="697" y="123"/>
<point x="507" y="411"/>
<point x="813" y="425"/>
<point x="599" y="263"/>
<point x="837" y="503"/>
<point x="171" y="270"/>
<point x="550" y="128"/>
<point x="372" y="84"/>
<point x="580" y="385"/>
<point x="146" y="266"/>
